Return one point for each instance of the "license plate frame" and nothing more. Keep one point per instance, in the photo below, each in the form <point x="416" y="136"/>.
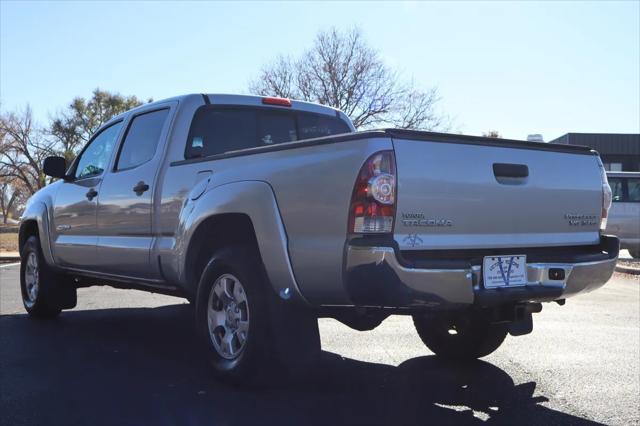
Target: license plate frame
<point x="513" y="272"/>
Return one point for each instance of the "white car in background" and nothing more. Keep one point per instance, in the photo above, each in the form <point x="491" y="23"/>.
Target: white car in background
<point x="624" y="216"/>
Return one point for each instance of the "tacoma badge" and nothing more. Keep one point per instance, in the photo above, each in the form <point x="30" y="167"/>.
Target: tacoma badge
<point x="418" y="219"/>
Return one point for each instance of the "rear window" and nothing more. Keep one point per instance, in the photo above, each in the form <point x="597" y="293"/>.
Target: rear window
<point x="217" y="130"/>
<point x="317" y="126"/>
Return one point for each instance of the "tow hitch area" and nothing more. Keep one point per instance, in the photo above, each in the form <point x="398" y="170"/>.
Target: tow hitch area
<point x="523" y="322"/>
<point x="518" y="317"/>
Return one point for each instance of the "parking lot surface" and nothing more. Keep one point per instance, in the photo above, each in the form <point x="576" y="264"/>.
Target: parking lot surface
<point x="129" y="357"/>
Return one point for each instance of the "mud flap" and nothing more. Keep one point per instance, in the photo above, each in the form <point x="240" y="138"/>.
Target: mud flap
<point x="295" y="334"/>
<point x="66" y="297"/>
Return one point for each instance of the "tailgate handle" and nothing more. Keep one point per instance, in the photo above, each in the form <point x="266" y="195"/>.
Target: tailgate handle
<point x="510" y="170"/>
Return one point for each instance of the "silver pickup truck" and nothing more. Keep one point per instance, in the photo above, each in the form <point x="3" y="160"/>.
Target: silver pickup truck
<point x="267" y="213"/>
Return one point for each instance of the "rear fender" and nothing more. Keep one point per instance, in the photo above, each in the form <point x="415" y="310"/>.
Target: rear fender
<point x="256" y="200"/>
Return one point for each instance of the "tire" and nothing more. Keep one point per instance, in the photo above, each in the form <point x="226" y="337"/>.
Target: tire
<point x="44" y="292"/>
<point x="635" y="253"/>
<point x="460" y="336"/>
<point x="281" y="337"/>
<point x="232" y="301"/>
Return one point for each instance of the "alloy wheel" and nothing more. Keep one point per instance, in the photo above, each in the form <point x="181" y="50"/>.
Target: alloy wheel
<point x="228" y="316"/>
<point x="31" y="279"/>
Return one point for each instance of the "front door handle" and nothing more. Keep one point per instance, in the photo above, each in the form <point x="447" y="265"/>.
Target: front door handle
<point x="140" y="188"/>
<point x="91" y="194"/>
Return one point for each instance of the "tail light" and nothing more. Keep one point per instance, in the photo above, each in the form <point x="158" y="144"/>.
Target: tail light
<point x="607" y="196"/>
<point x="373" y="203"/>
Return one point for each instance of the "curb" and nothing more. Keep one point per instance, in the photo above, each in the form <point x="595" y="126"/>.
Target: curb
<point x="9" y="257"/>
<point x="628" y="270"/>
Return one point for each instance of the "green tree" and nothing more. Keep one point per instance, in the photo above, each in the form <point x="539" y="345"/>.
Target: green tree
<point x="73" y="127"/>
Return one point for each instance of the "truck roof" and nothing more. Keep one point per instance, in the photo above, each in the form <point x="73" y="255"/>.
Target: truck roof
<point x="249" y="100"/>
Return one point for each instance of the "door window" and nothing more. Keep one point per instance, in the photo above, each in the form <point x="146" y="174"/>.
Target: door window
<point x="633" y="186"/>
<point x="95" y="157"/>
<point x="616" y="189"/>
<point x="141" y="141"/>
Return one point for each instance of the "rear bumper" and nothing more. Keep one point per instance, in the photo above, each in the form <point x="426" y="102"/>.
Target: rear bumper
<point x="376" y="276"/>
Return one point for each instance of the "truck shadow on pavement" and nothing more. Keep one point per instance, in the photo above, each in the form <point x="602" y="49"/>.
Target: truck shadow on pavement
<point x="143" y="366"/>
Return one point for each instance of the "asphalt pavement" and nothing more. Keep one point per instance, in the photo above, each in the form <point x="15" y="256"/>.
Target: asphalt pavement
<point x="127" y="357"/>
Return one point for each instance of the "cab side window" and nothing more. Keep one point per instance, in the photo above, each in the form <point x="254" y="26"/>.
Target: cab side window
<point x="142" y="139"/>
<point x="95" y="157"/>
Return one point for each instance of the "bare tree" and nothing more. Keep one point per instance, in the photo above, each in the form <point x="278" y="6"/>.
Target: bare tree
<point x="341" y="70"/>
<point x="23" y="149"/>
<point x="7" y="198"/>
<point x="12" y="197"/>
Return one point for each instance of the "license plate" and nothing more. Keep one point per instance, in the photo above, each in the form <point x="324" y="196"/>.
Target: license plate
<point x="504" y="271"/>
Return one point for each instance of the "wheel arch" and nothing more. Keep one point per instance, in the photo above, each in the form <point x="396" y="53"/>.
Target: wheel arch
<point x="35" y="221"/>
<point x="28" y="228"/>
<point x="237" y="212"/>
<point x="228" y="229"/>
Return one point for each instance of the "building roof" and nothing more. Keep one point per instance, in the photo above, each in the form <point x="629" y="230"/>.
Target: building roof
<point x="604" y="143"/>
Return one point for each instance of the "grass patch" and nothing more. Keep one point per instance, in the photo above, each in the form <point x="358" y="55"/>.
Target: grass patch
<point x="9" y="241"/>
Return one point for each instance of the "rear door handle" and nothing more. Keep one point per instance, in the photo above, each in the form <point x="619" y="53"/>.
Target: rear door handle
<point x="91" y="194"/>
<point x="140" y="188"/>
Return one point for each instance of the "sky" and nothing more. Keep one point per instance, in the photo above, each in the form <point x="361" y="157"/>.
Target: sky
<point x="515" y="67"/>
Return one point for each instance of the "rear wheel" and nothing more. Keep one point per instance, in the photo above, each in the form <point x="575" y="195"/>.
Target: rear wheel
<point x="44" y="293"/>
<point x="250" y="335"/>
<point x="231" y="314"/>
<point x="635" y="253"/>
<point x="460" y="336"/>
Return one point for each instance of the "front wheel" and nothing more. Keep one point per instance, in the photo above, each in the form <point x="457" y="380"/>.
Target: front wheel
<point x="635" y="253"/>
<point x="44" y="293"/>
<point x="460" y="336"/>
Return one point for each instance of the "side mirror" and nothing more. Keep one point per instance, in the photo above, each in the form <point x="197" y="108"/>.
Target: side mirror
<point x="55" y="167"/>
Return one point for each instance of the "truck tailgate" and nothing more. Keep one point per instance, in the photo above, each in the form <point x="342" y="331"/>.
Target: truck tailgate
<point x="455" y="194"/>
